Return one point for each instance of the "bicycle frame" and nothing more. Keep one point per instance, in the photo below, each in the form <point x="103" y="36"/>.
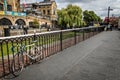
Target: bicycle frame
<point x="19" y="56"/>
<point x="24" y="50"/>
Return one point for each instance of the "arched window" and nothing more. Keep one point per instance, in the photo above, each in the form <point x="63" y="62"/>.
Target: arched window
<point x="20" y="22"/>
<point x="1" y="7"/>
<point x="5" y="21"/>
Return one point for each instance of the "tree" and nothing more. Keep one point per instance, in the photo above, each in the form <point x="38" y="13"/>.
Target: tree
<point x="91" y="17"/>
<point x="35" y="23"/>
<point x="70" y="17"/>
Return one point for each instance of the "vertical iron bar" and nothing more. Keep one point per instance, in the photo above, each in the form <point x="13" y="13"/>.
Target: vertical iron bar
<point x="53" y="45"/>
<point x="47" y="44"/>
<point x="75" y="36"/>
<point x="13" y="53"/>
<point x="29" y="41"/>
<point x="44" y="40"/>
<point x="93" y="31"/>
<point x="83" y="35"/>
<point x="43" y="56"/>
<point x="61" y="35"/>
<point x="8" y="56"/>
<point x="2" y="58"/>
<point x="39" y="45"/>
<point x="89" y="33"/>
<point x="55" y="42"/>
<point x="50" y="43"/>
<point x="26" y="55"/>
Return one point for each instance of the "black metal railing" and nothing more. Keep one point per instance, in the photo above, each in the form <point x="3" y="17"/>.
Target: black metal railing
<point x="54" y="42"/>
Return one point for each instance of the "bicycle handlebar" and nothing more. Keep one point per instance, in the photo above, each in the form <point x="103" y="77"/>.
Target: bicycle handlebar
<point x="23" y="47"/>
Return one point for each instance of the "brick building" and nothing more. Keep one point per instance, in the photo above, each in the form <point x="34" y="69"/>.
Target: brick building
<point x="45" y="9"/>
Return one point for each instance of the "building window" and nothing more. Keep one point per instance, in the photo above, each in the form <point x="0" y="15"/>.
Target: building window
<point x="9" y="7"/>
<point x="1" y="7"/>
<point x="44" y="12"/>
<point x="54" y="11"/>
<point x="34" y="6"/>
<point x="48" y="12"/>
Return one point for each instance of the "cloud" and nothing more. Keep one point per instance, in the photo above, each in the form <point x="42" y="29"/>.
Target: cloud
<point x="74" y="1"/>
<point x="29" y="1"/>
<point x="99" y="6"/>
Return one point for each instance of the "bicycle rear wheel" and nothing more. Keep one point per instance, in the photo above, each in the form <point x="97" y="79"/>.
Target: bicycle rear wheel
<point x="35" y="54"/>
<point x="17" y="64"/>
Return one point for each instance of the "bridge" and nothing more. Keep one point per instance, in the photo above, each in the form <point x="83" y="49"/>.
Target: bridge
<point x="94" y="55"/>
<point x="21" y="20"/>
<point x="25" y="21"/>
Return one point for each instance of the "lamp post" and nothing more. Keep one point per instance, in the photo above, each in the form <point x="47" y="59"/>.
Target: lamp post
<point x="109" y="9"/>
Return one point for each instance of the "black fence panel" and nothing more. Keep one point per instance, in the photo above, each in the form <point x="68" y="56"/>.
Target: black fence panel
<point x="52" y="41"/>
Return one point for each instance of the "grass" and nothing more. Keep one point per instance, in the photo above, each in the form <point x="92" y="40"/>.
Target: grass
<point x="6" y="47"/>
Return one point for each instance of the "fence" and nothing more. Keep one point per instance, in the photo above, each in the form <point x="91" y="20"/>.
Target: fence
<point x="54" y="42"/>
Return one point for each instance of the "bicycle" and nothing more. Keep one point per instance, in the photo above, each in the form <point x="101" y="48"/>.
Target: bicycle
<point x="32" y="51"/>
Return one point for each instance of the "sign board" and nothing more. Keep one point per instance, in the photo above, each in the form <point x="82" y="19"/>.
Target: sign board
<point x="22" y="14"/>
<point x="12" y="13"/>
<point x="15" y="14"/>
<point x="2" y="13"/>
<point x="9" y="13"/>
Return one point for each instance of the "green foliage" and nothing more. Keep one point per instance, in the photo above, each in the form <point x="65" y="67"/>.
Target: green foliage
<point x="35" y="23"/>
<point x="90" y="16"/>
<point x="70" y="16"/>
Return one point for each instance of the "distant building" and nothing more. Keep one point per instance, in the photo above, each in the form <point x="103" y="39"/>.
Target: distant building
<point x="10" y="13"/>
<point x="44" y="12"/>
<point x="112" y="20"/>
<point x="45" y="9"/>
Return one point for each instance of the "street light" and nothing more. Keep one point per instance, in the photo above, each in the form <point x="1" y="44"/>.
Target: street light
<point x="109" y="9"/>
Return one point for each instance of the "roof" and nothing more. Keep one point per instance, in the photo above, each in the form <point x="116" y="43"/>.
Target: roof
<point x="42" y="3"/>
<point x="46" y="2"/>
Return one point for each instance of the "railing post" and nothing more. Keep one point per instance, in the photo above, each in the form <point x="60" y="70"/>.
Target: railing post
<point x="3" y="65"/>
<point x="83" y="35"/>
<point x="61" y="40"/>
<point x="97" y="30"/>
<point x="34" y="36"/>
<point x="89" y="33"/>
<point x="93" y="31"/>
<point x="75" y="36"/>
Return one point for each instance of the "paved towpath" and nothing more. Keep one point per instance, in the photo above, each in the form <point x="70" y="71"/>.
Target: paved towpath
<point x="97" y="58"/>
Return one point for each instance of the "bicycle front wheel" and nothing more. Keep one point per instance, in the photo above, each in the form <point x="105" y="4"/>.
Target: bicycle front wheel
<point x="17" y="64"/>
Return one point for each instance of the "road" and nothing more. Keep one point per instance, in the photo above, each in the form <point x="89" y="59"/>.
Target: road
<point x="97" y="58"/>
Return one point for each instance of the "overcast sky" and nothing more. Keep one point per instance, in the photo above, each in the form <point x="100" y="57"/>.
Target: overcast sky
<point x="99" y="6"/>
